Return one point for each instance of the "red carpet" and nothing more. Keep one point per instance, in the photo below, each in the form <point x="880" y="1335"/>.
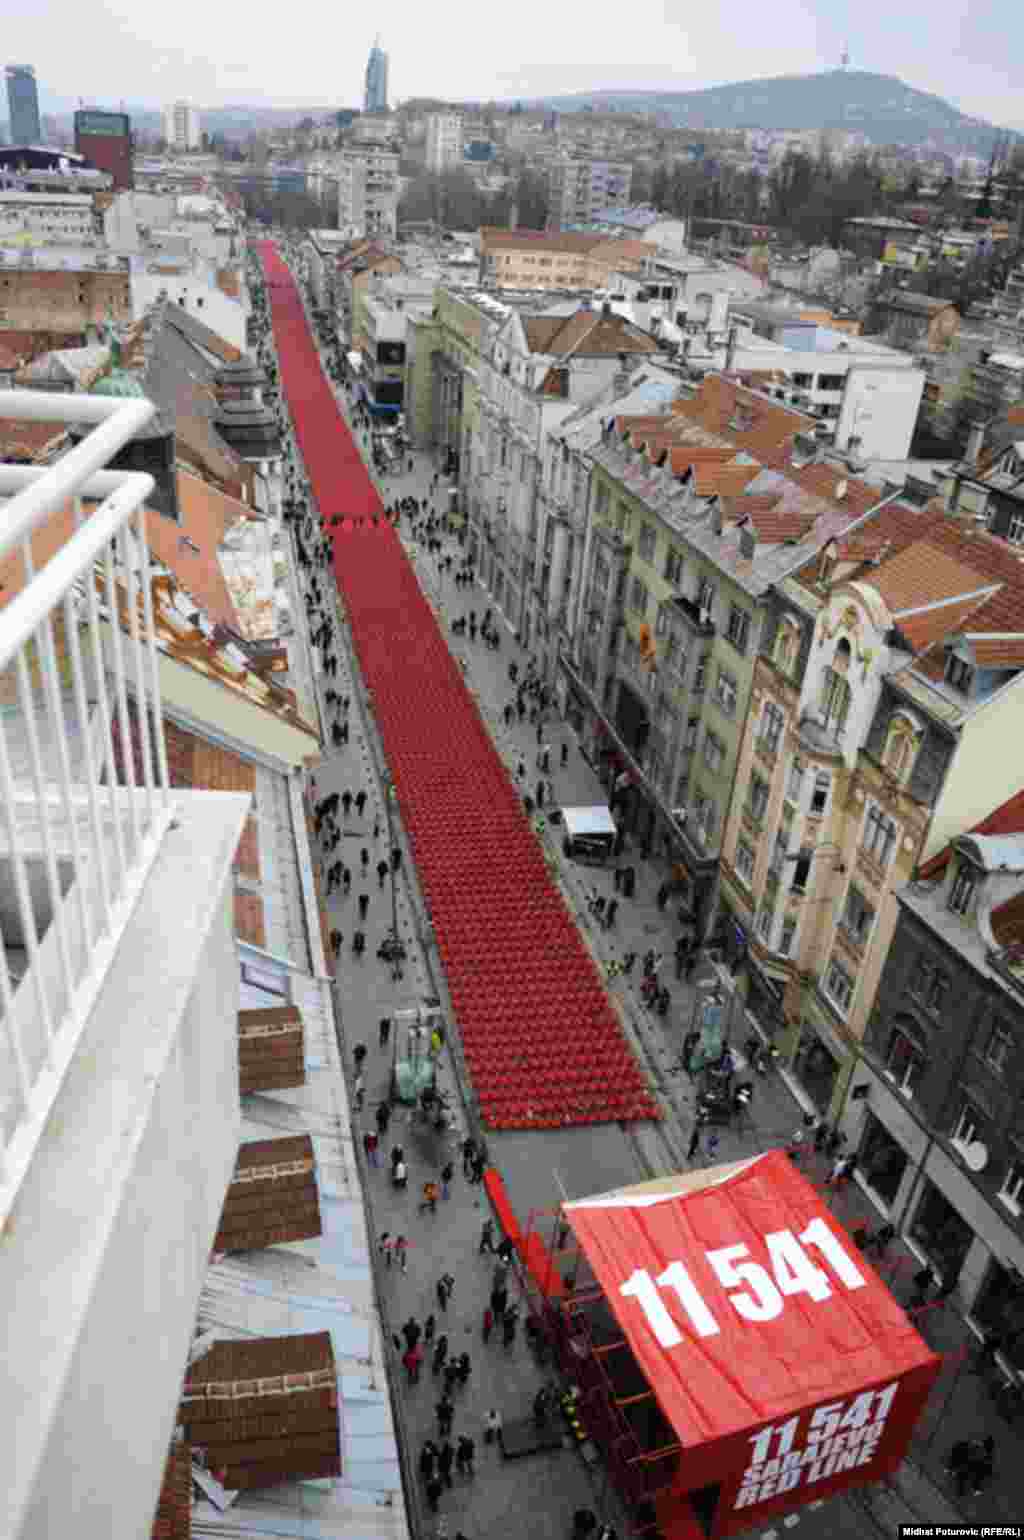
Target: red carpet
<point x="543" y="1044"/>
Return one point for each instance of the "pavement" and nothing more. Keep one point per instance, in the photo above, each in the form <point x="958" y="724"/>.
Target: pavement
<point x="538" y="1494"/>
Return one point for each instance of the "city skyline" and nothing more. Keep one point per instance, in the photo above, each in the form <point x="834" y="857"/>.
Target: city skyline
<point x="968" y="60"/>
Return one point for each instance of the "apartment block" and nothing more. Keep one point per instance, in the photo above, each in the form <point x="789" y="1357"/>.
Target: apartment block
<point x="367" y="191"/>
<point x="579" y="189"/>
<point x="444" y="141"/>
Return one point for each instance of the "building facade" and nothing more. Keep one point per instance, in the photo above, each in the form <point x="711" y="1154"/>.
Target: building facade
<point x="887" y="689"/>
<point x="531" y="259"/>
<point x="375" y="95"/>
<point x="57" y="218"/>
<point x="105" y="139"/>
<point x="182" y="127"/>
<point x="368" y="191"/>
<point x="444" y="141"/>
<point x="579" y="189"/>
<point x="941" y="1142"/>
<point x="59" y="300"/>
<point x="23" y="104"/>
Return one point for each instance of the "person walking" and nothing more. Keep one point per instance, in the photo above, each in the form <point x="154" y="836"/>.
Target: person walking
<point x="451" y="1376"/>
<point x="499" y="1301"/>
<point x="493" y="1426"/>
<point x="508" y="1328"/>
<point x="487" y="1237"/>
<point x="359" y="1056"/>
<point x="429" y="1327"/>
<point x="402" y="1252"/>
<point x="360" y="802"/>
<point x="382" y="871"/>
<point x="465" y="1369"/>
<point x="694" y="1145"/>
<point x="383" y="1116"/>
<point x="359" y="942"/>
<point x="385" y="1030"/>
<point x="440" y="1354"/>
<point x="434" y="1490"/>
<point x="468" y="1152"/>
<point x="364" y="904"/>
<point x="371" y="1139"/>
<point x="429" y="1199"/>
<point x="584" y="1522"/>
<point x="411" y="1332"/>
<point x="479" y="1167"/>
<point x="445" y="1460"/>
<point x="445" y="1410"/>
<point x="359" y="1091"/>
<point x="488" y="1324"/>
<point x="346" y="802"/>
<point x="386" y="1247"/>
<point x="428" y="1459"/>
<point x="445" y="1286"/>
<point x="412" y="1358"/>
<point x="447" y="1172"/>
<point x="464" y="1455"/>
<point x="336" y="940"/>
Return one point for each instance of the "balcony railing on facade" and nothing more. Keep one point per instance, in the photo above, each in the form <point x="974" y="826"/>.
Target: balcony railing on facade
<point x="84" y="788"/>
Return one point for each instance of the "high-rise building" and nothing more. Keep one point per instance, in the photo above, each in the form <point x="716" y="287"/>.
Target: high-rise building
<point x="580" y="189"/>
<point x="23" y="104"/>
<point x="375" y="98"/>
<point x="105" y="139"/>
<point x="444" y="140"/>
<point x="181" y="127"/>
<point x="368" y="191"/>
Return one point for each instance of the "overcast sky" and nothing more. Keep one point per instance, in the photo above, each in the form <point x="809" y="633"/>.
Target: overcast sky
<point x="229" y="53"/>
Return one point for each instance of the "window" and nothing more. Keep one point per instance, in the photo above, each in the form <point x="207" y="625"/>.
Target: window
<point x="962" y="891"/>
<point x="959" y="674"/>
<point x="706" y="595"/>
<point x="1015" y="533"/>
<point x="967" y="1128"/>
<point x="714" y="752"/>
<point x="773" y="719"/>
<point x="795" y="783"/>
<point x="673" y="567"/>
<point x="858" y="916"/>
<point x="802" y="869"/>
<point x="904" y="1063"/>
<point x="936" y="989"/>
<point x="788" y="936"/>
<point x="646" y="542"/>
<point x="999" y="1049"/>
<point x="692" y="729"/>
<point x="738" y="630"/>
<point x="744" y="861"/>
<point x="704" y="817"/>
<point x="779" y="851"/>
<point x="819" y="796"/>
<point x="879" y="835"/>
<point x="835" y="702"/>
<point x="831" y="381"/>
<point x="1013" y="1185"/>
<point x="765" y="916"/>
<point x="726" y="692"/>
<point x="898" y="753"/>
<point x="701" y="676"/>
<point x="638" y="597"/>
<point x="758" y="798"/>
<point x="839" y="986"/>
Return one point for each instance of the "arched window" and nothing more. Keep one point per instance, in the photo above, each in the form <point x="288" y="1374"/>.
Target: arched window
<point x="787" y="646"/>
<point x="835" y="695"/>
<point x="901" y="744"/>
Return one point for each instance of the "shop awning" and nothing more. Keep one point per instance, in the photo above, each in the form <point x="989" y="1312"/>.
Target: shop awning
<point x="583" y="821"/>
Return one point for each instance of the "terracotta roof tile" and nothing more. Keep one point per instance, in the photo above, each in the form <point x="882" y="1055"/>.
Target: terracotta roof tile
<point x="997" y="651"/>
<point x="271" y="1050"/>
<point x="729" y="480"/>
<point x="1007" y="818"/>
<point x="924" y="628"/>
<point x="273" y="1198"/>
<point x="923" y="574"/>
<point x="779" y="525"/>
<point x="265" y="1410"/>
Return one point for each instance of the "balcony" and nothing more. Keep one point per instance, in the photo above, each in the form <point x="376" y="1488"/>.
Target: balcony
<point x="118" y="993"/>
<point x="691" y="612"/>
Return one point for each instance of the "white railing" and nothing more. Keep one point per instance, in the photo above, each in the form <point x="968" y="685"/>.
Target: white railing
<point x="77" y="838"/>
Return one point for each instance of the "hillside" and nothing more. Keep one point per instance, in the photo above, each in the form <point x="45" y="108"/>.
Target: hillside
<point x="855" y="101"/>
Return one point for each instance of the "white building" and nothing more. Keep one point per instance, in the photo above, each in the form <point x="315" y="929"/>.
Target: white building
<point x="61" y="218"/>
<point x="580" y="189"/>
<point x="181" y="126"/>
<point x="367" y="191"/>
<point x="444" y="141"/>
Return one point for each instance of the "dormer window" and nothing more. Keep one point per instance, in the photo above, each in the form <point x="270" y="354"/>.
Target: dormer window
<point x="961" y="894"/>
<point x="959" y="674"/>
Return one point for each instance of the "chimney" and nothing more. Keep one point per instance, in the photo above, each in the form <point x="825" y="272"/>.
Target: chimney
<point x="622" y="376"/>
<point x="975" y="440"/>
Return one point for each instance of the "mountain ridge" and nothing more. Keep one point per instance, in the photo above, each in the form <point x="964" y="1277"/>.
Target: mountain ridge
<point x="882" y="107"/>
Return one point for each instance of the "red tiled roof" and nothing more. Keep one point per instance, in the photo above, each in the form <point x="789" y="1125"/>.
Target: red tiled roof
<point x="997" y="651"/>
<point x="924" y="573"/>
<point x="273" y="1196"/>
<point x="265" y="1410"/>
<point x="776" y="526"/>
<point x="728" y="480"/>
<point x="271" y="1050"/>
<point x="924" y="629"/>
<point x="1007" y="818"/>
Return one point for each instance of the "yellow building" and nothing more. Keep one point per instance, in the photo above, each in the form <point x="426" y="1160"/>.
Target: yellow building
<point x="885" y="720"/>
<point x="535" y="259"/>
